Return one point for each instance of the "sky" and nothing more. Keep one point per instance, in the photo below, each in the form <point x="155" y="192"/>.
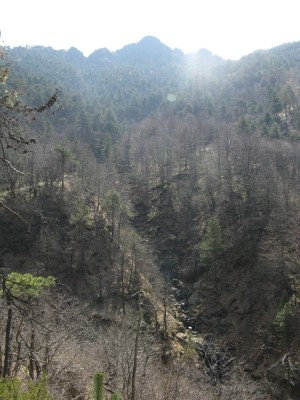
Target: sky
<point x="228" y="28"/>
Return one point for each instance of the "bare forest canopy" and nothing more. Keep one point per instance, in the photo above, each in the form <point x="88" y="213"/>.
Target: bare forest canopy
<point x="161" y="191"/>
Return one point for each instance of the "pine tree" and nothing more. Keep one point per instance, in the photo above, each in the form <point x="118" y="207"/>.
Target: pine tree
<point x="211" y="247"/>
<point x="15" y="289"/>
<point x="99" y="386"/>
<point x="14" y="389"/>
<point x="115" y="396"/>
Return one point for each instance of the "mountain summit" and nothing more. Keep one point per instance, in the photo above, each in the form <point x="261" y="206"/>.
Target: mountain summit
<point x="149" y="49"/>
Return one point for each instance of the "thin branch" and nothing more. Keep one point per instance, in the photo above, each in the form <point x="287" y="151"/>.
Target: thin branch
<point x="8" y="163"/>
<point x="14" y="213"/>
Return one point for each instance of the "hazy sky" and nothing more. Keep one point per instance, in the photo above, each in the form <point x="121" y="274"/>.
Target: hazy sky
<point x="229" y="28"/>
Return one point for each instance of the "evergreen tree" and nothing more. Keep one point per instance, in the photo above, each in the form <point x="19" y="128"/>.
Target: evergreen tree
<point x="284" y="324"/>
<point x="99" y="386"/>
<point x="14" y="389"/>
<point x="115" y="396"/>
<point x="16" y="289"/>
<point x="211" y="247"/>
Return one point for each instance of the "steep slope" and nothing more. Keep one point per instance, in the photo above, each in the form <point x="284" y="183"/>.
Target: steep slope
<point x="148" y="147"/>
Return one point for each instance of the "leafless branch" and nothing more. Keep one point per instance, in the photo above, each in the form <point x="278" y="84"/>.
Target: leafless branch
<point x="14" y="213"/>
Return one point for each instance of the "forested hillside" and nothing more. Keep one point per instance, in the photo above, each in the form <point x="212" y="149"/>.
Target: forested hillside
<point x="149" y="224"/>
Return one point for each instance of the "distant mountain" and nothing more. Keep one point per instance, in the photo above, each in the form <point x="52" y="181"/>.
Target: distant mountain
<point x="74" y="56"/>
<point x="147" y="50"/>
<point x="137" y="80"/>
<point x="101" y="56"/>
<point x="207" y="58"/>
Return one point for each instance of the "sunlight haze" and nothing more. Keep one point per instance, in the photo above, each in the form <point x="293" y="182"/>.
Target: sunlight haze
<point x="229" y="29"/>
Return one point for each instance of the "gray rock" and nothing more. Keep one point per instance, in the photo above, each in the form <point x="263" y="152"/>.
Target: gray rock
<point x="194" y="298"/>
<point x="197" y="285"/>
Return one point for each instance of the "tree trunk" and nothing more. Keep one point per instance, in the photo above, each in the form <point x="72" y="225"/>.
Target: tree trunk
<point x="8" y="334"/>
<point x="31" y="355"/>
<point x="135" y="360"/>
<point x="123" y="284"/>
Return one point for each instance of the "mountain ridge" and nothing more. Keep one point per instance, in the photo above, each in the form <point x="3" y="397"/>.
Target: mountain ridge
<point x="151" y="45"/>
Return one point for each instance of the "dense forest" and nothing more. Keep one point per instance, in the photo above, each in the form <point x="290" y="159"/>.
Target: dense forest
<point x="149" y="212"/>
